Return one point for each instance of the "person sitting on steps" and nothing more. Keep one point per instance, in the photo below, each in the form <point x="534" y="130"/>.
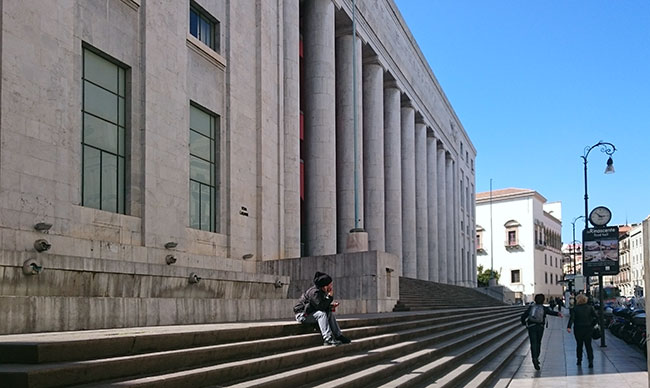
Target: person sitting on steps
<point x="316" y="306"/>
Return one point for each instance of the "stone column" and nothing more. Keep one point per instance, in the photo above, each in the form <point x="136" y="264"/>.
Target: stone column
<point x="291" y="105"/>
<point x="373" y="153"/>
<point x="320" y="123"/>
<point x="345" y="138"/>
<point x="409" y="251"/>
<point x="442" y="215"/>
<point x="393" y="169"/>
<point x="432" y="203"/>
<point x="452" y="261"/>
<point x="421" y="204"/>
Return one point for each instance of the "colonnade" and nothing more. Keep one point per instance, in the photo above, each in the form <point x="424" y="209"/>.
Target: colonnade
<point x="407" y="173"/>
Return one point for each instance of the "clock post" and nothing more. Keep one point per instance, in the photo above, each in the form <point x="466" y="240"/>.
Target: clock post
<point x="608" y="149"/>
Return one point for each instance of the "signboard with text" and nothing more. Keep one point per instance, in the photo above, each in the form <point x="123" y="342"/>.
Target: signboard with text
<point x="600" y="251"/>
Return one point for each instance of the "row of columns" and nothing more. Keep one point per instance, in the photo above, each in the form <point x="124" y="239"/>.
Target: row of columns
<point x="405" y="174"/>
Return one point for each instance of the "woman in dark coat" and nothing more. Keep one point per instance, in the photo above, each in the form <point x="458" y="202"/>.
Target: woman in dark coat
<point x="583" y="318"/>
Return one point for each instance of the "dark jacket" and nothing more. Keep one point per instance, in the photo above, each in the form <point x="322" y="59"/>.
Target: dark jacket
<point x="583" y="315"/>
<point x="547" y="311"/>
<point x="314" y="299"/>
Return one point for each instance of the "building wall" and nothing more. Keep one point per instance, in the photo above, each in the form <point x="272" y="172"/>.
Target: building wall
<point x="536" y="262"/>
<point x="251" y="83"/>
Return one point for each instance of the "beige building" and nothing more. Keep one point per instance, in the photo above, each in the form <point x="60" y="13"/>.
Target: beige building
<point x="170" y="153"/>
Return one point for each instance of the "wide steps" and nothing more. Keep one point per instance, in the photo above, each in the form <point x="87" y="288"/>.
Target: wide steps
<point x="270" y="355"/>
<point x="418" y="295"/>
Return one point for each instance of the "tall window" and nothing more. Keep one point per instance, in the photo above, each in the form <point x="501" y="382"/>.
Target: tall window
<point x="204" y="137"/>
<point x="103" y="127"/>
<point x="204" y="27"/>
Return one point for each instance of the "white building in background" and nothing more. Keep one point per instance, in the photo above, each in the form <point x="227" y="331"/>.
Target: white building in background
<point x="631" y="277"/>
<point x="520" y="235"/>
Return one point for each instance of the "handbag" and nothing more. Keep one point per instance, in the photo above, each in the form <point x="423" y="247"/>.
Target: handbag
<point x="595" y="334"/>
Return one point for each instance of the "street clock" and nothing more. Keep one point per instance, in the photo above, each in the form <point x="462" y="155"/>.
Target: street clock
<point x="600" y="216"/>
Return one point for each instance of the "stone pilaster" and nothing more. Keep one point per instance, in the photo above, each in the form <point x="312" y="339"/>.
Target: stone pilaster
<point x="320" y="124"/>
<point x="421" y="202"/>
<point x="290" y="217"/>
<point x="373" y="154"/>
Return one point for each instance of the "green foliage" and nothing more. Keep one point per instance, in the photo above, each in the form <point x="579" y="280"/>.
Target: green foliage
<point x="484" y="276"/>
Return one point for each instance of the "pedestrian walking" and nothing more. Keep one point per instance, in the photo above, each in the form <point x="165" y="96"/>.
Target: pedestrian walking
<point x="316" y="305"/>
<point x="534" y="318"/>
<point x="583" y="317"/>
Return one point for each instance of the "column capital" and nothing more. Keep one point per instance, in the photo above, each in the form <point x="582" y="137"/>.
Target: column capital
<point x="406" y="102"/>
<point x="390" y="84"/>
<point x="419" y="118"/>
<point x="372" y="59"/>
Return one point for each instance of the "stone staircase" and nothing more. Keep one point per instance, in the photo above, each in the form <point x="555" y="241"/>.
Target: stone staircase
<point x="439" y="348"/>
<point x="416" y="295"/>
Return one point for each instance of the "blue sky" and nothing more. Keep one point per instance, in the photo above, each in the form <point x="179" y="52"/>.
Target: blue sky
<point x="535" y="82"/>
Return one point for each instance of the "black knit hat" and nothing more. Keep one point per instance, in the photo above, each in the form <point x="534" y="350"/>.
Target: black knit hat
<point x="322" y="279"/>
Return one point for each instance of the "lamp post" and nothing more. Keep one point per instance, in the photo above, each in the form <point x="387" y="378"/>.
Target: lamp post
<point x="609" y="149"/>
<point x="573" y="225"/>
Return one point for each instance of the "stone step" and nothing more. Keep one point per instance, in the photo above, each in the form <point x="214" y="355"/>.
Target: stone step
<point x="150" y="352"/>
<point x="405" y="365"/>
<point x="288" y="368"/>
<point x="460" y="364"/>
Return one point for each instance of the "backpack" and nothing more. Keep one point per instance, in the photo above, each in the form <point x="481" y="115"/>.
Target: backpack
<point x="536" y="314"/>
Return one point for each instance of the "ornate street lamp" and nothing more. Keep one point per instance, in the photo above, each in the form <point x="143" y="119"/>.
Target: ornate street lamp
<point x="609" y="149"/>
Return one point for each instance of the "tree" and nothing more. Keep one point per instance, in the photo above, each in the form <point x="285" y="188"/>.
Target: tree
<point x="484" y="276"/>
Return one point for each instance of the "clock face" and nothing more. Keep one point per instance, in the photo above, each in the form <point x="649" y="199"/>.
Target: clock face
<point x="600" y="216"/>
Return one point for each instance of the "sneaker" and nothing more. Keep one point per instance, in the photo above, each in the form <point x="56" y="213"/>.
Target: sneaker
<point x="343" y="339"/>
<point x="331" y="342"/>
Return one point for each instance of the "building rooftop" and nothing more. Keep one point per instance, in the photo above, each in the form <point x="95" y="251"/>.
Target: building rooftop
<point x="506" y="193"/>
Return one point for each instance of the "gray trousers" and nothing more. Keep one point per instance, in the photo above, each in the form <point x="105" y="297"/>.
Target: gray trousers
<point x="326" y="322"/>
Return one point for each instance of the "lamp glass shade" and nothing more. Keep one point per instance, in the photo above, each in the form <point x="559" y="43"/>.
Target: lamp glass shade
<point x="610" y="166"/>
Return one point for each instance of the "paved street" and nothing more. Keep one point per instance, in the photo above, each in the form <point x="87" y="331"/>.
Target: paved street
<point x="618" y="365"/>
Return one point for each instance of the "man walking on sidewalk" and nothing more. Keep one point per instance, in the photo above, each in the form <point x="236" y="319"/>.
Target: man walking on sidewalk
<point x="534" y="318"/>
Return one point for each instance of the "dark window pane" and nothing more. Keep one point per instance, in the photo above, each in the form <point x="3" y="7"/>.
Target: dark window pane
<point x="91" y="177"/>
<point x="194" y="23"/>
<point x="200" y="146"/>
<point x="206" y="32"/>
<point x="109" y="182"/>
<point x="121" y="108"/>
<point x="200" y="121"/>
<point x="205" y="208"/>
<point x="100" y="102"/>
<point x="120" y="141"/>
<point x="100" y="71"/>
<point x="200" y="170"/>
<point x="100" y="133"/>
<point x="121" y="81"/>
<point x="120" y="185"/>
<point x="195" y="205"/>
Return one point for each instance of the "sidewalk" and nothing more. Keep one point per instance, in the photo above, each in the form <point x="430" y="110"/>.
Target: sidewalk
<point x="618" y="365"/>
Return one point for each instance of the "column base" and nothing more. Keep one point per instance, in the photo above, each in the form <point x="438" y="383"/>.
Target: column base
<point x="357" y="241"/>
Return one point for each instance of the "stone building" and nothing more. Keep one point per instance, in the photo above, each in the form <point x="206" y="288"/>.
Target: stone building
<point x="519" y="235"/>
<point x="171" y="154"/>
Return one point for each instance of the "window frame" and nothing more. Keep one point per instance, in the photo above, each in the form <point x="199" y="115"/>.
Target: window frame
<point x="121" y="129"/>
<point x="214" y="187"/>
<point x="213" y="23"/>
